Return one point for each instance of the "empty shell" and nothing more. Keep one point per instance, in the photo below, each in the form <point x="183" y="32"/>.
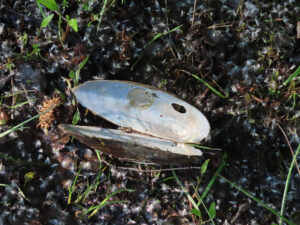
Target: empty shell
<point x="133" y="147"/>
<point x="144" y="109"/>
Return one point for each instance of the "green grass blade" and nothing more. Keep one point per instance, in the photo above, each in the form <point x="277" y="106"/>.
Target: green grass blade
<point x="211" y="182"/>
<point x="205" y="147"/>
<point x="78" y="69"/>
<point x="97" y="207"/>
<point x="20" y="104"/>
<point x="26" y="121"/>
<point x="101" y="14"/>
<point x="104" y="202"/>
<point x="82" y="197"/>
<point x="99" y="170"/>
<point x="151" y="42"/>
<point x="204" y="206"/>
<point x="185" y="191"/>
<point x="40" y="8"/>
<point x="72" y="187"/>
<point x="288" y="182"/>
<point x="196" y="206"/>
<point x="209" y="86"/>
<point x="114" y="193"/>
<point x="296" y="73"/>
<point x="257" y="200"/>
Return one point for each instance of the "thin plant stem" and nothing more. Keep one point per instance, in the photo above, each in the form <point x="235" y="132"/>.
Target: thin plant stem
<point x="287" y="183"/>
<point x="26" y="121"/>
<point x="296" y="73"/>
<point x="148" y="44"/>
<point x="257" y="200"/>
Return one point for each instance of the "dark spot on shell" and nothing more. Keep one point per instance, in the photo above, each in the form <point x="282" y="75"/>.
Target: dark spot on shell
<point x="154" y="95"/>
<point x="178" y="108"/>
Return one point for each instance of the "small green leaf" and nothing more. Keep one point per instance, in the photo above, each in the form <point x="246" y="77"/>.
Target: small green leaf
<point x="76" y="117"/>
<point x="196" y="212"/>
<point x="212" y="210"/>
<point x="72" y="23"/>
<point x="50" y="4"/>
<point x="29" y="176"/>
<point x="79" y="67"/>
<point x="47" y="20"/>
<point x="204" y="167"/>
<point x="72" y="74"/>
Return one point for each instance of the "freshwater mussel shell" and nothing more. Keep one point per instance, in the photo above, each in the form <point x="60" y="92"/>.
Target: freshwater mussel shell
<point x="145" y="109"/>
<point x="133" y="147"/>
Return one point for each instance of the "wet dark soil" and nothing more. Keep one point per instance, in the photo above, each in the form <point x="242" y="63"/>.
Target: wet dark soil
<point x="244" y="49"/>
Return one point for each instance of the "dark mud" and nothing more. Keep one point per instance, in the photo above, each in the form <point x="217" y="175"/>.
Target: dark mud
<point x="245" y="49"/>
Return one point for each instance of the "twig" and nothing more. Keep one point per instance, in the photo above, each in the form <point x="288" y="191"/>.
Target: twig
<point x="194" y="11"/>
<point x="257" y="99"/>
<point x="242" y="208"/>
<point x="26" y="93"/>
<point x="219" y="26"/>
<point x="290" y="147"/>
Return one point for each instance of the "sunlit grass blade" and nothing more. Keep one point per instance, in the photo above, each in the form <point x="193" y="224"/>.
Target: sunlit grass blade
<point x="288" y="182"/>
<point x="205" y="147"/>
<point x="40" y="8"/>
<point x="209" y="86"/>
<point x="78" y="69"/>
<point x="72" y="187"/>
<point x="99" y="170"/>
<point x="82" y="197"/>
<point x="151" y="42"/>
<point x="101" y="14"/>
<point x="185" y="191"/>
<point x="97" y="207"/>
<point x="296" y="73"/>
<point x="257" y="200"/>
<point x="204" y="206"/>
<point x="23" y="195"/>
<point x="20" y="104"/>
<point x="105" y="202"/>
<point x="204" y="167"/>
<point x="190" y="198"/>
<point x="26" y="121"/>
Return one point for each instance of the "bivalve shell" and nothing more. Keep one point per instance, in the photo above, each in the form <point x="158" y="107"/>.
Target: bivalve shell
<point x="133" y="147"/>
<point x="144" y="109"/>
<point x="155" y="127"/>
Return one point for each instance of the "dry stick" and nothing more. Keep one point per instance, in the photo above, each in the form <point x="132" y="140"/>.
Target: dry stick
<point x="220" y="26"/>
<point x="64" y="37"/>
<point x="149" y="171"/>
<point x="194" y="11"/>
<point x="26" y="93"/>
<point x="290" y="147"/>
<point x="242" y="208"/>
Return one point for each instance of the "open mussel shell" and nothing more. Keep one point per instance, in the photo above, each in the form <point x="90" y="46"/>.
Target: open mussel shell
<point x="132" y="146"/>
<point x="144" y="109"/>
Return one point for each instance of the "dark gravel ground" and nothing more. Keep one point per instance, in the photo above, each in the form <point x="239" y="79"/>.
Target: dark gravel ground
<point x="246" y="49"/>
